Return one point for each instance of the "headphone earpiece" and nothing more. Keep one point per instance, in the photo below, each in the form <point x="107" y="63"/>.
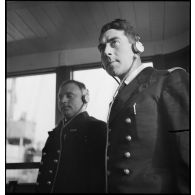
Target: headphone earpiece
<point x="85" y="96"/>
<point x="137" y="47"/>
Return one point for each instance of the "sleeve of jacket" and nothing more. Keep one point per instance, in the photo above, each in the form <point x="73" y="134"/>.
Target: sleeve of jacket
<point x="97" y="164"/>
<point x="176" y="99"/>
<point x="175" y="103"/>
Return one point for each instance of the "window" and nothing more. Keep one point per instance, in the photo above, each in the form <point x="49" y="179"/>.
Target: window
<point x="101" y="90"/>
<point x="30" y="114"/>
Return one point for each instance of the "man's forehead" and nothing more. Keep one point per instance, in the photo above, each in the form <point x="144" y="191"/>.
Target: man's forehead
<point x="69" y="87"/>
<point x="110" y="34"/>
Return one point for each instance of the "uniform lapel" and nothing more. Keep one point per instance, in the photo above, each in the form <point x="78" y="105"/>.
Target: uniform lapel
<point x="129" y="91"/>
<point x="122" y="98"/>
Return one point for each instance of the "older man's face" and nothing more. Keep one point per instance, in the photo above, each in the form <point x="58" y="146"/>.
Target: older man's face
<point x="70" y="100"/>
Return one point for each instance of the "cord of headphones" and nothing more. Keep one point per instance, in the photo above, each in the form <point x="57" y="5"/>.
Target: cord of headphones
<point x="61" y="134"/>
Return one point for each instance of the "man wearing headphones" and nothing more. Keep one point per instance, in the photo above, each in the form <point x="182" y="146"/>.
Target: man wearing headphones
<point x="73" y="156"/>
<point x="147" y="149"/>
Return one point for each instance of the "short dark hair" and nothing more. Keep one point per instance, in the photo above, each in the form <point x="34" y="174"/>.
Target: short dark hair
<point x="121" y="24"/>
<point x="81" y="85"/>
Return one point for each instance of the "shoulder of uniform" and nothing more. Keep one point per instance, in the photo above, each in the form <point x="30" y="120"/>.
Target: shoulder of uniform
<point x="55" y="129"/>
<point x="176" y="77"/>
<point x="96" y="122"/>
<point x="176" y="68"/>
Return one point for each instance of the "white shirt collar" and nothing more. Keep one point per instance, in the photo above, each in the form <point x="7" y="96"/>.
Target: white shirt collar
<point x="136" y="72"/>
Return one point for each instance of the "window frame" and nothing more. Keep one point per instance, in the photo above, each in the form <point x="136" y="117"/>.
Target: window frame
<point x="62" y="70"/>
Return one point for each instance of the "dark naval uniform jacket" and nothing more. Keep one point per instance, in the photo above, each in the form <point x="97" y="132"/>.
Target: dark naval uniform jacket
<point x="148" y="136"/>
<point x="74" y="160"/>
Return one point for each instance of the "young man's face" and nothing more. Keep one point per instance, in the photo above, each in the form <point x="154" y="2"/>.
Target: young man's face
<point x="116" y="52"/>
<point x="69" y="100"/>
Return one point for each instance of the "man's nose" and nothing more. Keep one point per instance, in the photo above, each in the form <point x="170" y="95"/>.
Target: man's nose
<point x="64" y="100"/>
<point x="108" y="50"/>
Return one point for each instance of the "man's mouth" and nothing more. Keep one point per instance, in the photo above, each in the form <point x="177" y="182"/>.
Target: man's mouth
<point x="65" y="108"/>
<point x="110" y="63"/>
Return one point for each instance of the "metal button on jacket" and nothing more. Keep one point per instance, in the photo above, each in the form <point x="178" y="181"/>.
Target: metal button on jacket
<point x="127" y="154"/>
<point x="44" y="153"/>
<point x="50" y="171"/>
<point x="49" y="182"/>
<point x="126" y="171"/>
<point x="128" y="120"/>
<point x="58" y="151"/>
<point x="128" y="138"/>
<point x="55" y="160"/>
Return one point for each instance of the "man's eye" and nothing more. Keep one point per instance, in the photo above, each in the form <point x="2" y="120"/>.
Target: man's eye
<point x="115" y="43"/>
<point x="69" y="95"/>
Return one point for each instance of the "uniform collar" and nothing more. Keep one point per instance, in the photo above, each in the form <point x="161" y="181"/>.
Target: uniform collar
<point x="77" y="120"/>
<point x="79" y="117"/>
<point x="136" y="72"/>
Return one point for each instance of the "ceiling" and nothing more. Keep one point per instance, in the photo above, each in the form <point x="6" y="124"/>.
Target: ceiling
<point x="43" y="26"/>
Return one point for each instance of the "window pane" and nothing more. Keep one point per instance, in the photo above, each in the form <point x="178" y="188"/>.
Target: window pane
<point x="30" y="115"/>
<point x="101" y="88"/>
<point x="22" y="175"/>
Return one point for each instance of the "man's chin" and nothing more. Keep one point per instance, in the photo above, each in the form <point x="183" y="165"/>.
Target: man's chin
<point x="114" y="73"/>
<point x="67" y="114"/>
